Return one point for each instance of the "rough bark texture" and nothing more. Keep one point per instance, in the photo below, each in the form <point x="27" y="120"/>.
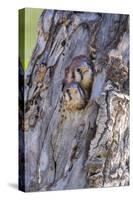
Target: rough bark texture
<point x="79" y="147"/>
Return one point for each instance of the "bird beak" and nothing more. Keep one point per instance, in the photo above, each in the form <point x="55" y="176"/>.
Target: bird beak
<point x="84" y="70"/>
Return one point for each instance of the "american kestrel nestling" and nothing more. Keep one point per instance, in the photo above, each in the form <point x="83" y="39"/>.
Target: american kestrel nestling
<point x="82" y="72"/>
<point x="73" y="96"/>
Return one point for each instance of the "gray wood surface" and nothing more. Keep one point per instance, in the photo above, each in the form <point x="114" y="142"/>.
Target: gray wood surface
<point x="79" y="147"/>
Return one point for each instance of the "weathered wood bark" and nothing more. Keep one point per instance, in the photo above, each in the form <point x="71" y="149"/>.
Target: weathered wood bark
<point x="86" y="147"/>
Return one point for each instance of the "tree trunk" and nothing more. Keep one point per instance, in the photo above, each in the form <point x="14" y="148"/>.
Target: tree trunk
<point x="68" y="146"/>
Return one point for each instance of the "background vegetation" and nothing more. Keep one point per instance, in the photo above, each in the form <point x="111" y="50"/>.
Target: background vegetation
<point x="27" y="33"/>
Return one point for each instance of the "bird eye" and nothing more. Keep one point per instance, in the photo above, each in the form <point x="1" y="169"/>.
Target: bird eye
<point x="78" y="70"/>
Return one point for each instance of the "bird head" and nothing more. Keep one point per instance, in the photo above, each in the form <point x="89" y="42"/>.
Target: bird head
<point x="82" y="70"/>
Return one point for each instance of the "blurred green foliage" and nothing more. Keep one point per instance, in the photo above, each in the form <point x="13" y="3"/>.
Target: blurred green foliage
<point x="28" y="19"/>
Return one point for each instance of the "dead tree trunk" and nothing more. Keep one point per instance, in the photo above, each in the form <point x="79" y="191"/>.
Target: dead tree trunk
<point x="82" y="146"/>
